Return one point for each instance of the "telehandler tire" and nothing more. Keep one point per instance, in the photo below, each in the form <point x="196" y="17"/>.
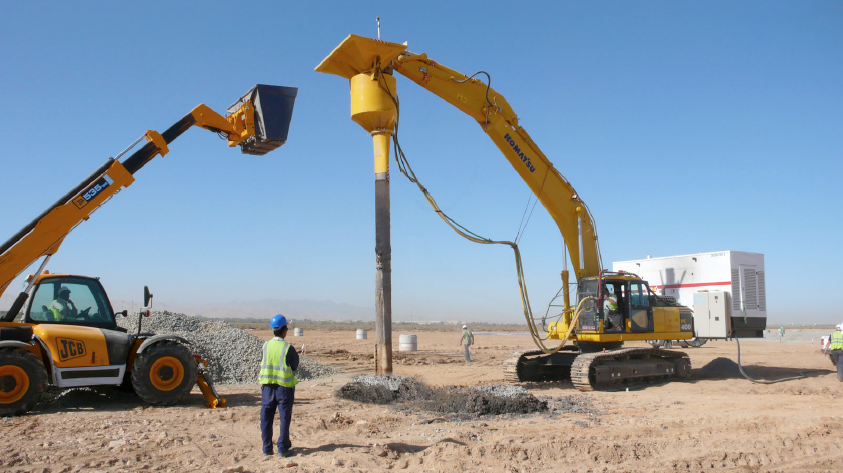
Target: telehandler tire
<point x="164" y="373"/>
<point x="23" y="380"/>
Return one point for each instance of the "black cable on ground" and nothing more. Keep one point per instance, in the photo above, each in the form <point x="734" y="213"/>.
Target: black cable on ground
<point x="740" y="367"/>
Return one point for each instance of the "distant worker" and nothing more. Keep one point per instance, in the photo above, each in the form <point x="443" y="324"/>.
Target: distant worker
<point x="834" y="347"/>
<point x="613" y="317"/>
<point x="278" y="386"/>
<point x="63" y="308"/>
<point x="467" y="340"/>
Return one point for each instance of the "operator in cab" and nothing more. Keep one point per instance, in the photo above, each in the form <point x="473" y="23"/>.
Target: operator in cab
<point x="62" y="307"/>
<point x="613" y="318"/>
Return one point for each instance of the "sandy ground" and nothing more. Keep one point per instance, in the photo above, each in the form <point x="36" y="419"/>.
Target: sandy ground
<point x="712" y="422"/>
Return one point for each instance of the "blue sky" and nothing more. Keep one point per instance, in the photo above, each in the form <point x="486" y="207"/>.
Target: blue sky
<point x="686" y="126"/>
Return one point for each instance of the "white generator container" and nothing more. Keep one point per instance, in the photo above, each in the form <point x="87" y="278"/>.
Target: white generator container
<point x="740" y="274"/>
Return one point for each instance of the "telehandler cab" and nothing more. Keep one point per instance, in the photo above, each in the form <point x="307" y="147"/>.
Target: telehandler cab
<point x="55" y="343"/>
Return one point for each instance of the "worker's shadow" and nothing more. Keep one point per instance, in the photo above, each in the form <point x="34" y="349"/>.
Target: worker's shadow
<point x="398" y="447"/>
<point x="331" y="447"/>
<point x="233" y="399"/>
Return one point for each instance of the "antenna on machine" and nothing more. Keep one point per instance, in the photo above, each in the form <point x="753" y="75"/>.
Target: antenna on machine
<point x="378" y="19"/>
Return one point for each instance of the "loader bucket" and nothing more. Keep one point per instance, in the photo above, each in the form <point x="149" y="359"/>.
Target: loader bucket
<point x="273" y="112"/>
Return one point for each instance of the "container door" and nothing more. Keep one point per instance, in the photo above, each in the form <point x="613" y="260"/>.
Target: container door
<point x="702" y="317"/>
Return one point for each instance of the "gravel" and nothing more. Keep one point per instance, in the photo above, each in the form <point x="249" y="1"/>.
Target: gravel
<point x="407" y="391"/>
<point x="234" y="355"/>
<point x="575" y="404"/>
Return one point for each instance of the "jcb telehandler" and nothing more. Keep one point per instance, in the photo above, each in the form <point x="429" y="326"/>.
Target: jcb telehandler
<point x="54" y="342"/>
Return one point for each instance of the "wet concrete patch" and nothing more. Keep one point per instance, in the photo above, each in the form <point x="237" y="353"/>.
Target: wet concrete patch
<point x="411" y="393"/>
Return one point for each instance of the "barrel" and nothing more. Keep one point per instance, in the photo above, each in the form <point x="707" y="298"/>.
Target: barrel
<point x="361" y="334"/>
<point x="407" y="342"/>
<point x="298" y="332"/>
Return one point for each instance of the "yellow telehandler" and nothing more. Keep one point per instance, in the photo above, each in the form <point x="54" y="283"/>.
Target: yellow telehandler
<point x="54" y="342"/>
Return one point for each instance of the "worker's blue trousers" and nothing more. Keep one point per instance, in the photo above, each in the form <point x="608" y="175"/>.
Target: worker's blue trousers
<point x="281" y="398"/>
<point x="838" y="356"/>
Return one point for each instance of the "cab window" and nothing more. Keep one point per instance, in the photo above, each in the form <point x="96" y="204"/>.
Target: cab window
<point x="638" y="296"/>
<point x="73" y="301"/>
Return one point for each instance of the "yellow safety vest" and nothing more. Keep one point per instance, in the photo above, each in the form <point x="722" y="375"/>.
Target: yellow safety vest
<point x="60" y="309"/>
<point x="836" y="341"/>
<point x="611" y="305"/>
<point x="274" y="367"/>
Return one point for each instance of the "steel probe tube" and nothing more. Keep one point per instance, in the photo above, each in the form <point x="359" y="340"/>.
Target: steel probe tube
<point x="383" y="252"/>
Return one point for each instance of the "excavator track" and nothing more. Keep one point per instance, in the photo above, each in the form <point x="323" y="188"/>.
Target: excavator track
<point x="602" y="370"/>
<point x="535" y="365"/>
<point x="515" y="368"/>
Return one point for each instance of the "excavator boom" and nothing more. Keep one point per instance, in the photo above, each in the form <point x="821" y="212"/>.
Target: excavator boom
<point x="493" y="113"/>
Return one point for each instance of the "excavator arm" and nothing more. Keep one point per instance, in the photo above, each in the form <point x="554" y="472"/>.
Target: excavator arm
<point x="357" y="57"/>
<point x="493" y="113"/>
<point x="258" y="122"/>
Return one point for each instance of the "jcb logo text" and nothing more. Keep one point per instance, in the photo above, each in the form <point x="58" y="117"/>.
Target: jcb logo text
<point x="69" y="349"/>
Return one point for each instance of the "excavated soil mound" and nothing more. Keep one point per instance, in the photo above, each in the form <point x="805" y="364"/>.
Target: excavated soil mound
<point x="718" y="368"/>
<point x="407" y="391"/>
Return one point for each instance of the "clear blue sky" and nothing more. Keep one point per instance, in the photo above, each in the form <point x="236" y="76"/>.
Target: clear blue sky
<point x="686" y="126"/>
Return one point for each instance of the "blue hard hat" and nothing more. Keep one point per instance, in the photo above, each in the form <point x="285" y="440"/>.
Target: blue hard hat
<point x="278" y="321"/>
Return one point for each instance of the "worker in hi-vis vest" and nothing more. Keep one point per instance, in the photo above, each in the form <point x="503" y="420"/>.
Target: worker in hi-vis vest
<point x="278" y="386"/>
<point x="834" y="347"/>
<point x="613" y="318"/>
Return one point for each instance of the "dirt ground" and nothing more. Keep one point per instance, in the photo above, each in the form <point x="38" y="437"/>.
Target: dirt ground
<point x="717" y="421"/>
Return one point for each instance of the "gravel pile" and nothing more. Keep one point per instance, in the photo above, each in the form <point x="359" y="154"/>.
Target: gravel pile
<point x="502" y="390"/>
<point x="407" y="391"/>
<point x="234" y="355"/>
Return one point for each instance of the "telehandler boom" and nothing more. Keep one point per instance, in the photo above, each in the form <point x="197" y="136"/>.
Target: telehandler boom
<point x="55" y="342"/>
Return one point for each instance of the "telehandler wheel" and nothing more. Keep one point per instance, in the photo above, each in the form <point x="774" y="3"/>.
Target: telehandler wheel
<point x="23" y="380"/>
<point x="164" y="373"/>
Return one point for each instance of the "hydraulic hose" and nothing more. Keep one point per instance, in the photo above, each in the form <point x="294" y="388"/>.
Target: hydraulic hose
<point x="404" y="167"/>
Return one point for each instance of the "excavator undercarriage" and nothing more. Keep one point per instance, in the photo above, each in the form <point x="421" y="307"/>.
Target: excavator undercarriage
<point x="599" y="370"/>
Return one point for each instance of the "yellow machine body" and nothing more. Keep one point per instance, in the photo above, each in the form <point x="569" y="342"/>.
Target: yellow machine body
<point x="667" y="323"/>
<point x="72" y="346"/>
<point x="371" y="106"/>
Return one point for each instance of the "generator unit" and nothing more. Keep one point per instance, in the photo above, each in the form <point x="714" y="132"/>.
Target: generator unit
<point x="739" y="275"/>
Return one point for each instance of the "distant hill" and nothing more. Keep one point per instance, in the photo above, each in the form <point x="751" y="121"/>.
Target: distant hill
<point x="293" y="309"/>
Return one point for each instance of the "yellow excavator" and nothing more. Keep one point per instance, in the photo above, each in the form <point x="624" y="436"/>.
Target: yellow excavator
<point x="612" y="308"/>
<point x="66" y="334"/>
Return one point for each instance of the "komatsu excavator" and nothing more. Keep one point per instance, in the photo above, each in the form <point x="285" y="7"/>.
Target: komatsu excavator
<point x="55" y="343"/>
<point x="612" y="308"/>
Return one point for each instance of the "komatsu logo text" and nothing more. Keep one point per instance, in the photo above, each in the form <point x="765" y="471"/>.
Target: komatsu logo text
<point x="524" y="158"/>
